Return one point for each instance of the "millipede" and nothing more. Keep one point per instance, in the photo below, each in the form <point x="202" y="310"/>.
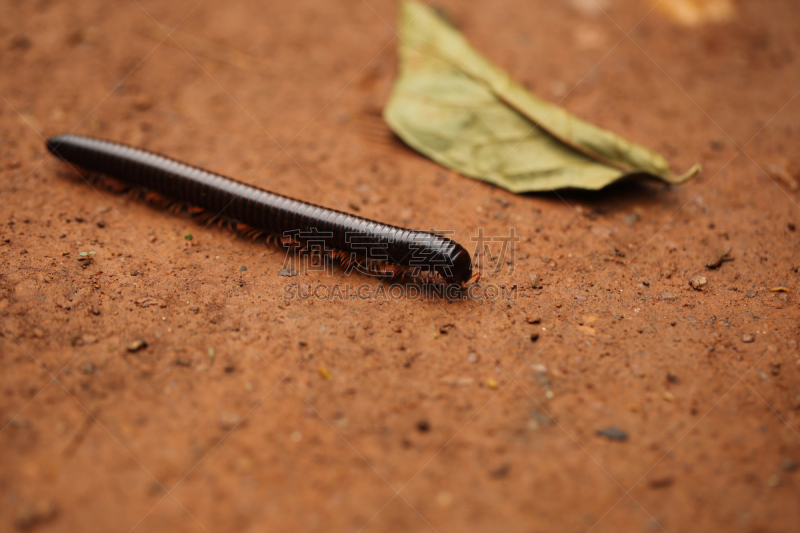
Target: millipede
<point x="377" y="249"/>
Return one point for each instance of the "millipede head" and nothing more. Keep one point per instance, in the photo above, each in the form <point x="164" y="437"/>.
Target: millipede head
<point x="460" y="270"/>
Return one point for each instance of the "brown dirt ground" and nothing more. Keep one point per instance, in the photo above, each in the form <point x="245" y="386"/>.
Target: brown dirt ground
<point x="95" y="438"/>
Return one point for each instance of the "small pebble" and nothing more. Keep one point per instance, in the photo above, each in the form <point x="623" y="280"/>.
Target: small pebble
<point x="748" y="338"/>
<point x="612" y="433"/>
<point x="288" y="272"/>
<point x="142" y="102"/>
<point x="492" y="383"/>
<point x="101" y="224"/>
<point x="137" y="345"/>
<point x="697" y="282"/>
<point x="534" y="337"/>
<point x="632" y="218"/>
<point x="88" y="368"/>
<point x="228" y="420"/>
<point x="789" y="465"/>
<point x="21" y="42"/>
<point x="243" y="269"/>
<point x="720" y="258"/>
<point x="500" y="472"/>
<point x="668" y="296"/>
<point x="751" y="294"/>
<point x="423" y="426"/>
<point x="661" y="482"/>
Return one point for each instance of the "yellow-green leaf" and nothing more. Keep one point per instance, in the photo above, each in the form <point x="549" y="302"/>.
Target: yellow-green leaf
<point x="455" y="106"/>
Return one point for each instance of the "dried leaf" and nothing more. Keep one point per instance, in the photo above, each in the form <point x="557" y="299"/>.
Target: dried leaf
<point x="453" y="105"/>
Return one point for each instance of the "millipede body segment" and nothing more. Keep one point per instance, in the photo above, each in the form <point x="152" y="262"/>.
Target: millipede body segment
<point x="421" y="253"/>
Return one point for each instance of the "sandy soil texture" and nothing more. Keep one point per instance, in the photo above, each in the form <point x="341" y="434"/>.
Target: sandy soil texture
<point x="600" y="392"/>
